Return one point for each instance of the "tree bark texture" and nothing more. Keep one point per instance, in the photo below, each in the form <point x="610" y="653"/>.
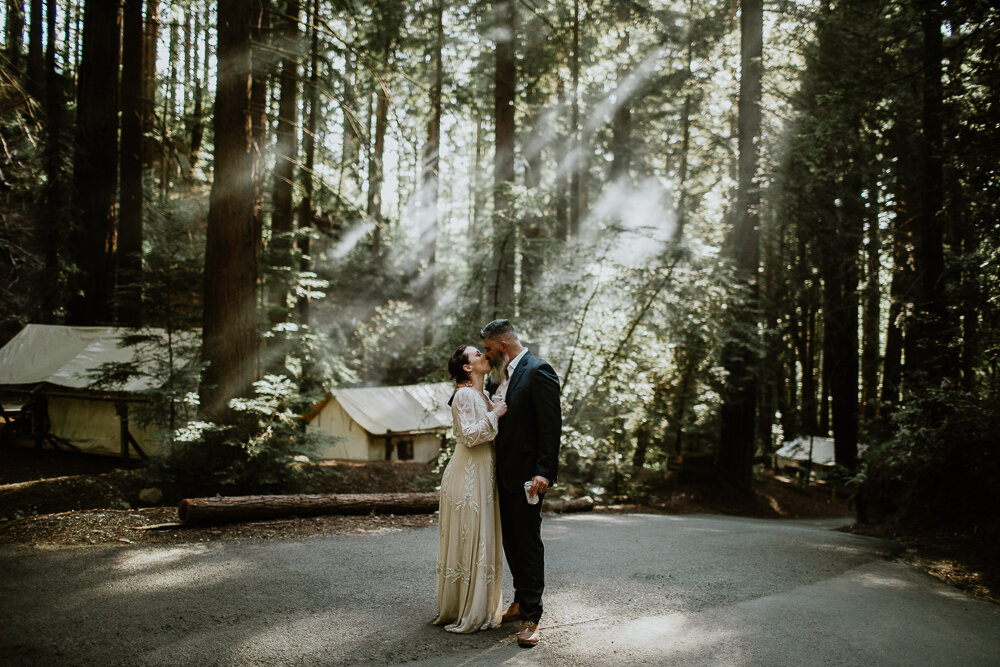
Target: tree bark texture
<point x="132" y="161"/>
<point x="286" y="155"/>
<point x="736" y="444"/>
<point x="95" y="165"/>
<point x="504" y="224"/>
<point x="14" y="29"/>
<point x="309" y="157"/>
<point x="148" y="102"/>
<point x="36" y="70"/>
<point x="251" y="508"/>
<point x="932" y="333"/>
<point x="375" y="173"/>
<point x="229" y="330"/>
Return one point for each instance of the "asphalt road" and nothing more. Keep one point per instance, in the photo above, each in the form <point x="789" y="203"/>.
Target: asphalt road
<point x="633" y="589"/>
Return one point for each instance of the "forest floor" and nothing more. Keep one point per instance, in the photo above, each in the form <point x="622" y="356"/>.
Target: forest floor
<point x="63" y="500"/>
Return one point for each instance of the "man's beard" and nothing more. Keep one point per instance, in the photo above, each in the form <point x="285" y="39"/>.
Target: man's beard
<point x="498" y="368"/>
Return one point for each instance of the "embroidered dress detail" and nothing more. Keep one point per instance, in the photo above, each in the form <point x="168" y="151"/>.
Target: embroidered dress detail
<point x="470" y="550"/>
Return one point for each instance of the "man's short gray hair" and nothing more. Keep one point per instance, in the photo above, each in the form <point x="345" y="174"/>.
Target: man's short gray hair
<point x="497" y="330"/>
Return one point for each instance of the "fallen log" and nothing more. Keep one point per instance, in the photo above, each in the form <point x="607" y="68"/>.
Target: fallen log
<point x="584" y="504"/>
<point x="227" y="509"/>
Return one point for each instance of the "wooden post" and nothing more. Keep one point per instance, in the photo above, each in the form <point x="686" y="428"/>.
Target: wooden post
<point x="121" y="409"/>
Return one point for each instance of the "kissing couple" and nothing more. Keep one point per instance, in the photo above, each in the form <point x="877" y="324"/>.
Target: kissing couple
<point x="507" y="432"/>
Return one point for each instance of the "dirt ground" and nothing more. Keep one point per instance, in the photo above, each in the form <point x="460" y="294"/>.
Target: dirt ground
<point x="57" y="500"/>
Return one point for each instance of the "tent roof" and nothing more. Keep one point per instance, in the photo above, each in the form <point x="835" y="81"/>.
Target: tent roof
<point x="798" y="449"/>
<point x="413" y="407"/>
<point x="63" y="356"/>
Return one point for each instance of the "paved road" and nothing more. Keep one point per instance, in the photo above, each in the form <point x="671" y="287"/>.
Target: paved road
<point x="633" y="589"/>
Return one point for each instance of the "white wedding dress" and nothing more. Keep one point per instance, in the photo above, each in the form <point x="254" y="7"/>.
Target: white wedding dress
<point x="469" y="581"/>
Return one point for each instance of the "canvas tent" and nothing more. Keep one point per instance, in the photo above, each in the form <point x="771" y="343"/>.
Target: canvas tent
<point x="387" y="423"/>
<point x="44" y="369"/>
<point x="796" y="452"/>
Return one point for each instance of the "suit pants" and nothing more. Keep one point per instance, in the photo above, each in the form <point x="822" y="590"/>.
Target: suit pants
<point x="521" y="525"/>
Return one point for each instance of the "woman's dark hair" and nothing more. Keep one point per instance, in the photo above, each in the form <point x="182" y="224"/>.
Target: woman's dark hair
<point x="455" y="363"/>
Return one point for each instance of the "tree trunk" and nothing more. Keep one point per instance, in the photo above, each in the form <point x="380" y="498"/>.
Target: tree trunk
<point x="504" y="224"/>
<point x="262" y="64"/>
<point x="932" y="333"/>
<point x="130" y="221"/>
<point x="375" y="174"/>
<point x="560" y="197"/>
<point x="14" y="29"/>
<point x="286" y="155"/>
<point x="431" y="167"/>
<point x="352" y="132"/>
<point x="309" y="158"/>
<point x="253" y="508"/>
<point x="149" y="49"/>
<point x="96" y="165"/>
<point x="871" y="314"/>
<point x="36" y="68"/>
<point x="736" y="443"/>
<point x="52" y="230"/>
<point x="576" y="149"/>
<point x="621" y="120"/>
<point x="682" y="175"/>
<point x="840" y="319"/>
<point x="229" y="331"/>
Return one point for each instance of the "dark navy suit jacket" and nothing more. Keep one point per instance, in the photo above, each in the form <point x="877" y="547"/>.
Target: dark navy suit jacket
<point x="528" y="440"/>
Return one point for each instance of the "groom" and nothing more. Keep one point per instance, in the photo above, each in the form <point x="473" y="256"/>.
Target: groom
<point x="527" y="450"/>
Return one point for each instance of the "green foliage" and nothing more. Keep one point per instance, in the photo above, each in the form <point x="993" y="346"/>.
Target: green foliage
<point x="940" y="467"/>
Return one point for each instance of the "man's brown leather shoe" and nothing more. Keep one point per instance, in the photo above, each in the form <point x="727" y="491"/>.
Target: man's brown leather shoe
<point x="529" y="635"/>
<point x="512" y="614"/>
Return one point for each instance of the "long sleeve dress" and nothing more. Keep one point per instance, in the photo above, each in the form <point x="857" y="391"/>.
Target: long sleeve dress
<point x="469" y="593"/>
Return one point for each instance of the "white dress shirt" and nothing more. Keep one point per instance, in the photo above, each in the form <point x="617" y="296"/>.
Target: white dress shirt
<point x="502" y="389"/>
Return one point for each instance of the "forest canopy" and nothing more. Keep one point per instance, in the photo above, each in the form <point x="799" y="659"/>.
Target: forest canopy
<point x="726" y="224"/>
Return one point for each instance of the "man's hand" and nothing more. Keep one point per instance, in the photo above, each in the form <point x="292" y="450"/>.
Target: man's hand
<point x="538" y="485"/>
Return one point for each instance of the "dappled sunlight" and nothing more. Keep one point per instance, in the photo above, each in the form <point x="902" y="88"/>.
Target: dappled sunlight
<point x="283" y="637"/>
<point x="172" y="569"/>
<point x="139" y="560"/>
<point x="875" y="580"/>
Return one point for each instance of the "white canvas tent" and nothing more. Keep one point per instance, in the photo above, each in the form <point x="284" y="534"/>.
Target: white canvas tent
<point x="375" y="423"/>
<point x="797" y="451"/>
<point x="48" y="365"/>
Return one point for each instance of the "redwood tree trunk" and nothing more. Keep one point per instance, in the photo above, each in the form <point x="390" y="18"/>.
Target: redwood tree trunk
<point x="152" y="29"/>
<point x="229" y="332"/>
<point x="309" y="158"/>
<point x="430" y="169"/>
<point x="130" y="221"/>
<point x="36" y="70"/>
<point x="96" y="165"/>
<point x="736" y="443"/>
<point x="286" y="154"/>
<point x="504" y="226"/>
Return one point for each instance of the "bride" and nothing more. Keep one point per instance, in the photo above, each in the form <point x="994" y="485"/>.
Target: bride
<point x="469" y="594"/>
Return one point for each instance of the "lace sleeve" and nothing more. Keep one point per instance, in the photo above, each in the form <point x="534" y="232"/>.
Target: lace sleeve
<point x="474" y="424"/>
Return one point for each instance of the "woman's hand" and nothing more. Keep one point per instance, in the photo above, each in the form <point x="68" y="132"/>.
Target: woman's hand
<point x="500" y="408"/>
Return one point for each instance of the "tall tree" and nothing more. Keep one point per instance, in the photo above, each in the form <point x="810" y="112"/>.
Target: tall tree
<point x="305" y="212"/>
<point x="56" y="190"/>
<point x="286" y="155"/>
<point x="95" y="165"/>
<point x="36" y="70"/>
<point x="501" y="284"/>
<point x="130" y="219"/>
<point x="931" y="322"/>
<point x="736" y="443"/>
<point x="14" y="29"/>
<point x="148" y="101"/>
<point x="229" y="328"/>
<point x="430" y="169"/>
